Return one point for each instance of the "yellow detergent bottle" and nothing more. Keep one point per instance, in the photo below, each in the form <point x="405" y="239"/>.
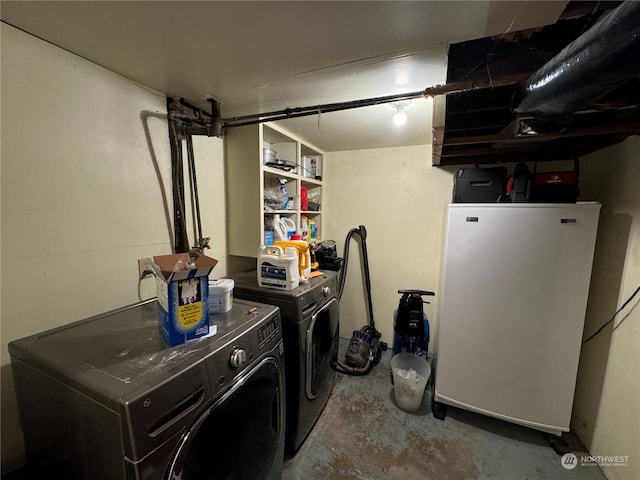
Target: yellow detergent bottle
<point x="304" y="255"/>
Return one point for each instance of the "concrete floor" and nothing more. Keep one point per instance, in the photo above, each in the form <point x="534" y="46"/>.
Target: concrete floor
<point x="363" y="435"/>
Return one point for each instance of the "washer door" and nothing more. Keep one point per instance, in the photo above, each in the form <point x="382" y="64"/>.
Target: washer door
<point x="322" y="347"/>
<point x="240" y="436"/>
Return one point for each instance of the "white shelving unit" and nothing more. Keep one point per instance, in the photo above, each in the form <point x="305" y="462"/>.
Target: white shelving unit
<point x="247" y="179"/>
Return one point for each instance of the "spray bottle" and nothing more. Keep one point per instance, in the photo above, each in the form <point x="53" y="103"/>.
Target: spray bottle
<point x="285" y="194"/>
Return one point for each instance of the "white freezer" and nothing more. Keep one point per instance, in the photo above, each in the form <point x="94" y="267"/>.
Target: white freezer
<point x="511" y="309"/>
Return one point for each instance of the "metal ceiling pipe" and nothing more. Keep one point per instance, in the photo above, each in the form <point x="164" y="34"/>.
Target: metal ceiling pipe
<point x="601" y="59"/>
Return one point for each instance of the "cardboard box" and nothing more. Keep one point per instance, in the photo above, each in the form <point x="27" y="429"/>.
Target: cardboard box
<point x="183" y="307"/>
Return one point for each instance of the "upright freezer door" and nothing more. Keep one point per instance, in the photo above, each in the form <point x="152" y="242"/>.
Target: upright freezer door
<point x="511" y="309"/>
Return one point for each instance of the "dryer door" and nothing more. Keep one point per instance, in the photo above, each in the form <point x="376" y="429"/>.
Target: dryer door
<point x="322" y="347"/>
<point x="241" y="435"/>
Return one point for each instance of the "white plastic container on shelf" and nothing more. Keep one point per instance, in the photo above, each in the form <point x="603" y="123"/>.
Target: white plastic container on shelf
<point x="279" y="228"/>
<point x="311" y="166"/>
<point x="304" y="228"/>
<point x="290" y="226"/>
<point x="278" y="268"/>
<point x="220" y="295"/>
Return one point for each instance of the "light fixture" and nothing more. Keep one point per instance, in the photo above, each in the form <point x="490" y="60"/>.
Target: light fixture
<point x="400" y="117"/>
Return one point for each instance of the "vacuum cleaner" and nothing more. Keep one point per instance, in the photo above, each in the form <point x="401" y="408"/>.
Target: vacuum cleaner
<point x="410" y="324"/>
<point x="326" y="254"/>
<point x="365" y="347"/>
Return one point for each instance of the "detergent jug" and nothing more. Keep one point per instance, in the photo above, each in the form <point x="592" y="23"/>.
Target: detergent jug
<point x="304" y="255"/>
<point x="278" y="268"/>
<point x="279" y="228"/>
<point x="290" y="226"/>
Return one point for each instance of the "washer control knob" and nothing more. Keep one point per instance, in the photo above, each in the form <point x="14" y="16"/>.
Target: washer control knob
<point x="238" y="357"/>
<point x="326" y="291"/>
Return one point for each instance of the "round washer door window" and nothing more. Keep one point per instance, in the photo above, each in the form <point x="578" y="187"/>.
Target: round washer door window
<point x="322" y="347"/>
<point x="239" y="436"/>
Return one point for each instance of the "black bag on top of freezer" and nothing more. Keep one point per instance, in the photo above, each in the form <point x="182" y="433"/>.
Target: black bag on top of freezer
<point x="479" y="185"/>
<point x="519" y="185"/>
<point x="556" y="186"/>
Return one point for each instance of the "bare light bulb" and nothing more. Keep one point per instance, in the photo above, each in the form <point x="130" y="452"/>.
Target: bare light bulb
<point x="400" y="117"/>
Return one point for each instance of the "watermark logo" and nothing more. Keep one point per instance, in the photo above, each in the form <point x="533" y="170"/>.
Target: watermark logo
<point x="569" y="461"/>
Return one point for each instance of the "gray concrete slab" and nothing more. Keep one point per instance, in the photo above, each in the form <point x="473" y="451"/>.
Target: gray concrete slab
<point x="362" y="434"/>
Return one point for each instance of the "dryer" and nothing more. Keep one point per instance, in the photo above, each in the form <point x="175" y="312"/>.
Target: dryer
<point x="105" y="398"/>
<point x="310" y="325"/>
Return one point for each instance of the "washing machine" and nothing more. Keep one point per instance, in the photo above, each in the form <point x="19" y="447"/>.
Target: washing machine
<point x="310" y="329"/>
<point x="105" y="398"/>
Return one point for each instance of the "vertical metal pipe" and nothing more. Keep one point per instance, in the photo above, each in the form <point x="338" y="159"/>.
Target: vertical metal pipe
<point x="194" y="186"/>
<point x="177" y="182"/>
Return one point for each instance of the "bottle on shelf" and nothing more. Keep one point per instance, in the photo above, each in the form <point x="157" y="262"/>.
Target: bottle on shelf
<point x="313" y="230"/>
<point x="279" y="228"/>
<point x="304" y="228"/>
<point x="285" y="194"/>
<point x="304" y="198"/>
<point x="290" y="226"/>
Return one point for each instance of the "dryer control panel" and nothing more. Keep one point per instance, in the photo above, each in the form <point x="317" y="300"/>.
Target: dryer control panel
<point x="269" y="334"/>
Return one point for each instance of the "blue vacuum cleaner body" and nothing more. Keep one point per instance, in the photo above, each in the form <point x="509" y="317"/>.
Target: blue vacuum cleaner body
<point x="410" y="324"/>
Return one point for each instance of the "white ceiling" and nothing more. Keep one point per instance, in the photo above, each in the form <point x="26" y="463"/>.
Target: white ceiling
<point x="263" y="56"/>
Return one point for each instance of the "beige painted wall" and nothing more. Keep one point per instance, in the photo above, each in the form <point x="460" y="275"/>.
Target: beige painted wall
<point x="83" y="170"/>
<point x="606" y="414"/>
<point x="400" y="199"/>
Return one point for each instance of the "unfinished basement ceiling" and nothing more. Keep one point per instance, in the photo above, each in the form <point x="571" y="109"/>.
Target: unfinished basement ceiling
<point x="265" y="56"/>
<point x="258" y="57"/>
<point x="480" y="126"/>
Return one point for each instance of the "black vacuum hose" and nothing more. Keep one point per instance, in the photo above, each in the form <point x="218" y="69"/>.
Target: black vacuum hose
<point x="361" y="231"/>
<point x="343" y="270"/>
<point x="341" y="367"/>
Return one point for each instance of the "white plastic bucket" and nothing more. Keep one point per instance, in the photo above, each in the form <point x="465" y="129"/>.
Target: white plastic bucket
<point x="220" y="295"/>
<point x="410" y="376"/>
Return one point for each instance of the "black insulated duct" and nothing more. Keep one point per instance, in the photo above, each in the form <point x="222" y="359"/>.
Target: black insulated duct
<point x="596" y="63"/>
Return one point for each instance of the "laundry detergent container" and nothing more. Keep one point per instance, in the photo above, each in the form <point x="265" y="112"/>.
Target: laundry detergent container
<point x="410" y="376"/>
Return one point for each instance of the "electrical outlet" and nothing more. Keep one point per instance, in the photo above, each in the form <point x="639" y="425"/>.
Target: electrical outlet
<point x="145" y="268"/>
